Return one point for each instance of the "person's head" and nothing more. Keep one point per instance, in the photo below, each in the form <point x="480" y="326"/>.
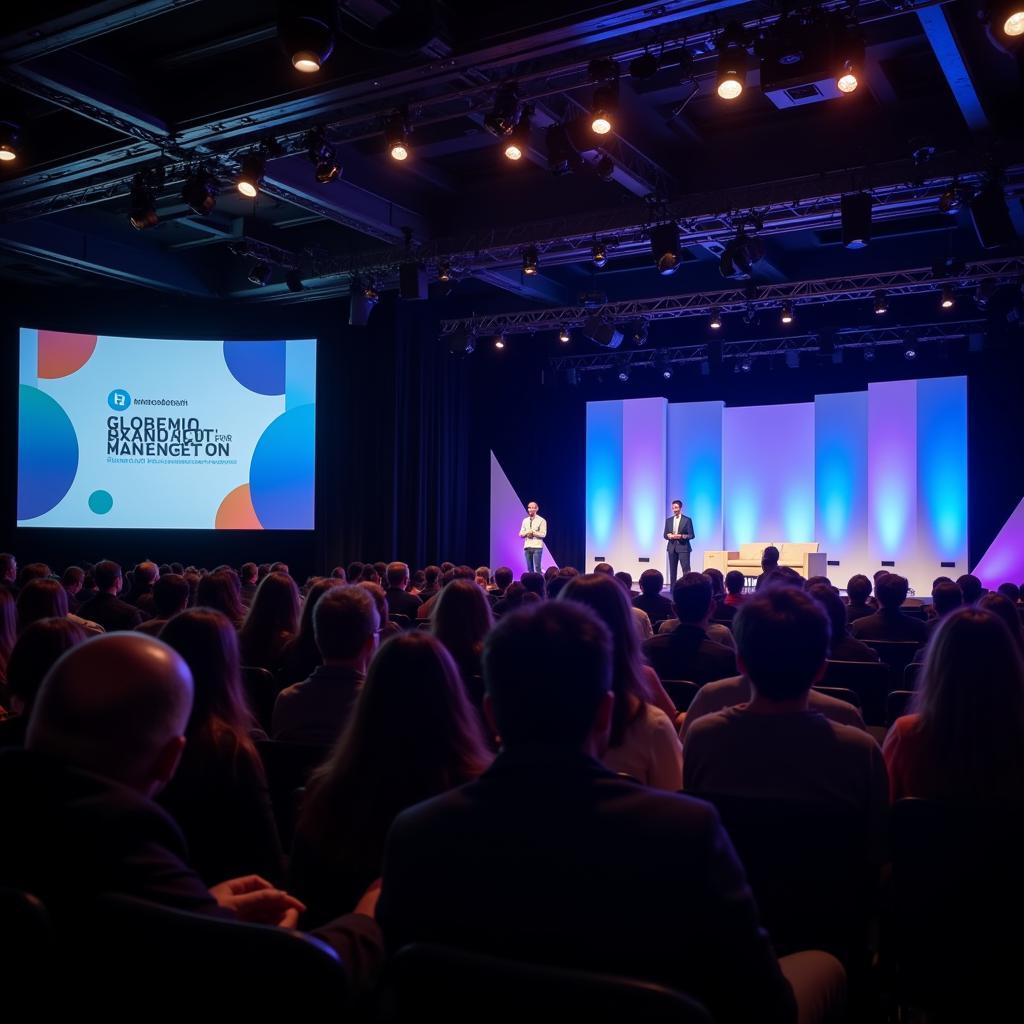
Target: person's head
<point x="691" y="596"/>
<point x="73" y="579"/>
<point x="503" y="576"/>
<point x="346" y="626"/>
<point x="35" y="653"/>
<point x="946" y="597"/>
<point x="248" y="573"/>
<point x="317" y="589"/>
<point x="380" y="599"/>
<point x="606" y="598"/>
<point x="625" y="581"/>
<point x="1010" y="591"/>
<point x="431" y="575"/>
<point x="146" y="574"/>
<point x="1001" y="605"/>
<point x="829" y="599"/>
<point x="782" y="641"/>
<point x="533" y="583"/>
<point x="970" y="702"/>
<point x="651" y="582"/>
<point x="677" y="507"/>
<point x="514" y="594"/>
<point x="8" y="568"/>
<point x="483" y="575"/>
<point x="354" y="572"/>
<point x="447" y="567"/>
<point x="369" y="574"/>
<point x="548" y="677"/>
<point x="117" y="706"/>
<point x="557" y="584"/>
<point x="222" y="591"/>
<point x="891" y="591"/>
<point x="769" y="557"/>
<point x="970" y="586"/>
<point x="412" y="734"/>
<point x="858" y="589"/>
<point x="532" y="508"/>
<point x="208" y="642"/>
<point x="817" y="580"/>
<point x="461" y="618"/>
<point x="397" y="575"/>
<point x="605" y="567"/>
<point x="734" y="582"/>
<point x="717" y="582"/>
<point x="41" y="599"/>
<point x="338" y="574"/>
<point x="108" y="577"/>
<point x="275" y="607"/>
<point x="170" y="595"/>
<point x="177" y="567"/>
<point x="550" y="573"/>
<point x="281" y="567"/>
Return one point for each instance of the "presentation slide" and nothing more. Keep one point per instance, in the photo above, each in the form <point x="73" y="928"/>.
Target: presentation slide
<point x="142" y="433"/>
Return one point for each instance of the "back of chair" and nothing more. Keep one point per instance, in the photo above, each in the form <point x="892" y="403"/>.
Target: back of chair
<point x="427" y="983"/>
<point x="869" y="680"/>
<point x="808" y="866"/>
<point x="400" y="620"/>
<point x="681" y="692"/>
<point x="840" y="693"/>
<point x="910" y="674"/>
<point x="897" y="704"/>
<point x="288" y="767"/>
<point x="897" y="654"/>
<point x="261" y="690"/>
<point x="953" y="930"/>
<point x="153" y="959"/>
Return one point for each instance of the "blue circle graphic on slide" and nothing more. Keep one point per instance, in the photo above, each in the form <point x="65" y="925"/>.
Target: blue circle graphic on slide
<point x="119" y="399"/>
<point x="101" y="502"/>
<point x="47" y="452"/>
<point x="281" y="471"/>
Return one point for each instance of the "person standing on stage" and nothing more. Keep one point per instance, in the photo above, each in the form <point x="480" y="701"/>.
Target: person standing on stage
<point x="678" y="533"/>
<point x="534" y="530"/>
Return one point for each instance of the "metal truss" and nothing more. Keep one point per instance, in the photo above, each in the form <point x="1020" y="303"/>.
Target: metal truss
<point x="740" y="299"/>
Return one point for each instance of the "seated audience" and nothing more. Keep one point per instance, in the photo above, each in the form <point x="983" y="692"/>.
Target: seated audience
<point x="400" y="601"/>
<point x="548" y="827"/>
<point x="140" y="593"/>
<point x="605" y="567"/>
<point x="47" y="599"/>
<point x="964" y="739"/>
<point x="483" y="577"/>
<point x="1010" y="591"/>
<point x="460" y="620"/>
<point x="247" y="582"/>
<point x="650" y="598"/>
<point x="431" y="581"/>
<point x="35" y="653"/>
<point x="858" y="591"/>
<point x="354" y="572"/>
<point x="301" y="655"/>
<point x="8" y="573"/>
<point x="33" y="571"/>
<point x="272" y="621"/>
<point x="170" y="596"/>
<point x="769" y="564"/>
<point x="346" y="627"/>
<point x="417" y="582"/>
<point x="106" y="608"/>
<point x="842" y="646"/>
<point x="369" y="574"/>
<point x="734" y="582"/>
<point x="412" y="735"/>
<point x="889" y="623"/>
<point x="219" y="795"/>
<point x="1001" y="605"/>
<point x="776" y="746"/>
<point x="946" y="598"/>
<point x="73" y="581"/>
<point x="221" y="590"/>
<point x="338" y="573"/>
<point x="717" y="593"/>
<point x="533" y="583"/>
<point x="642" y="743"/>
<point x="641" y="620"/>
<point x="388" y="628"/>
<point x="105" y="737"/>
<point x="971" y="587"/>
<point x="512" y="599"/>
<point x="686" y="652"/>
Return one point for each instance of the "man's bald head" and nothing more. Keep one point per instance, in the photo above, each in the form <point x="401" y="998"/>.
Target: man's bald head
<point x="117" y="706"/>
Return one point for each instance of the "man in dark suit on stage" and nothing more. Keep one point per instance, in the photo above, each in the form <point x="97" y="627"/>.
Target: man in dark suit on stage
<point x="678" y="533"/>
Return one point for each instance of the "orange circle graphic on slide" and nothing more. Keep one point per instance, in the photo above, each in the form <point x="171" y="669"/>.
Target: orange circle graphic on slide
<point x="61" y="354"/>
<point x="236" y="511"/>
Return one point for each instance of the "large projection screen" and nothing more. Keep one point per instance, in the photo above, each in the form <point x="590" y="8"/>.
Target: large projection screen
<point x="142" y="433"/>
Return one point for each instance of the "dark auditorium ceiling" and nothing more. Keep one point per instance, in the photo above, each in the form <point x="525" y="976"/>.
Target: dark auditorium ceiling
<point x="111" y="93"/>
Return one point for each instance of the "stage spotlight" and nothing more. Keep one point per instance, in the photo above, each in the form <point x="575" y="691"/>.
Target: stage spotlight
<point x="640" y="332"/>
<point x="444" y="270"/>
<point x="371" y="291"/>
<point x="605" y="168"/>
<point x="1009" y="16"/>
<point x="531" y="261"/>
<point x="461" y="343"/>
<point x="293" y="279"/>
<point x="665" y="248"/>
<point x="515" y="147"/>
<point x="601" y="109"/>
<point x="746" y="365"/>
<point x="564" y="336"/>
<point x="251" y="176"/>
<point x="142" y="212"/>
<point x="731" y="76"/>
<point x="869" y="355"/>
<point x="739" y="257"/>
<point x="396" y="132"/>
<point x="786" y="316"/>
<point x="602" y="333"/>
<point x="624" y="375"/>
<point x="644" y="67"/>
<point x="909" y="352"/>
<point x="667" y="373"/>
<point x="504" y="115"/>
<point x="200" y="192"/>
<point x="715" y="322"/>
<point x="562" y="155"/>
<point x="850" y="53"/>
<point x="261" y="273"/>
<point x="951" y="200"/>
<point x="948" y="299"/>
<point x="881" y="303"/>
<point x="855" y="211"/>
<point x="599" y="255"/>
<point x="847" y="80"/>
<point x="750" y="314"/>
<point x="307" y="37"/>
<point x="324" y="158"/>
<point x="10" y="139"/>
<point x="499" y="341"/>
<point x="983" y="294"/>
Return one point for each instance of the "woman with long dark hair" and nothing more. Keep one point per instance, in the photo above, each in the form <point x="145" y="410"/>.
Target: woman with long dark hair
<point x="411" y="736"/>
<point x="47" y="599"/>
<point x="643" y="742"/>
<point x="965" y="737"/>
<point x="301" y="655"/>
<point x="460" y="619"/>
<point x="219" y="793"/>
<point x="272" y="621"/>
<point x="221" y="590"/>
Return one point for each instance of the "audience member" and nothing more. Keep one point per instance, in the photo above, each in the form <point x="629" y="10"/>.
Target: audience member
<point x="686" y="652"/>
<point x="946" y="598"/>
<point x="548" y="827"/>
<point x="513" y="599"/>
<point x="400" y="601"/>
<point x="301" y="655"/>
<point x="858" y="592"/>
<point x="271" y="623"/>
<point x="73" y="581"/>
<point x="247" y="582"/>
<point x="964" y="739"/>
<point x="1001" y="605"/>
<point x="889" y="623"/>
<point x="221" y="590"/>
<point x="769" y="563"/>
<point x="106" y="608"/>
<point x="346" y="626"/>
<point x="170" y="596"/>
<point x="734" y="583"/>
<point x="971" y="587"/>
<point x="219" y="795"/>
<point x="842" y="646"/>
<point x="33" y="571"/>
<point x="461" y="619"/>
<point x="604" y="568"/>
<point x="354" y="572"/>
<point x="642" y="742"/>
<point x="47" y="599"/>
<point x="8" y="572"/>
<point x="431" y="577"/>
<point x="141" y="592"/>
<point x="411" y="735"/>
<point x="483" y="577"/>
<point x="369" y="575"/>
<point x="338" y="574"/>
<point x="1010" y="591"/>
<point x="650" y="598"/>
<point x="533" y="583"/>
<point x="388" y="628"/>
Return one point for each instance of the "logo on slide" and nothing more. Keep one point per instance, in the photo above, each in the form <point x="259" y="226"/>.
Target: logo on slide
<point x="119" y="399"/>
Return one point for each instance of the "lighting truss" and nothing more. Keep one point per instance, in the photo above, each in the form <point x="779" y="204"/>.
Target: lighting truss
<point x="736" y="300"/>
